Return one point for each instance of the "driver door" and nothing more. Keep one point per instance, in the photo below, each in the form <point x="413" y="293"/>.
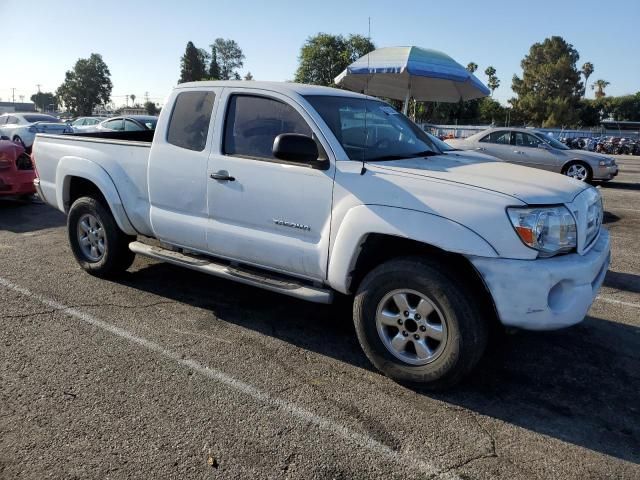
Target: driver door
<point x="264" y="211"/>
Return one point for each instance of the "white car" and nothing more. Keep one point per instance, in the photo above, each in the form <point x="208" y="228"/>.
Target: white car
<point x="85" y="124"/>
<point x="308" y="191"/>
<point x="22" y="127"/>
<point x="127" y="123"/>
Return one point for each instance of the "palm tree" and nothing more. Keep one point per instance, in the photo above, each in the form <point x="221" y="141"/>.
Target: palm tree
<point x="587" y="70"/>
<point x="133" y="99"/>
<point x="472" y="67"/>
<point x="599" y="86"/>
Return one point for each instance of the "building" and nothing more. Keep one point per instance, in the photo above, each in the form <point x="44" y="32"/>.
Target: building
<point x="10" y="107"/>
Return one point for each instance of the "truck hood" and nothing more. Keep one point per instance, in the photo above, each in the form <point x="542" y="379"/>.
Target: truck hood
<point x="530" y="185"/>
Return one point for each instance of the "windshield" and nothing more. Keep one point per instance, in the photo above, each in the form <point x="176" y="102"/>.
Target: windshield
<point x="40" y="118"/>
<point x="388" y="135"/>
<point x="443" y="146"/>
<point x="551" y="141"/>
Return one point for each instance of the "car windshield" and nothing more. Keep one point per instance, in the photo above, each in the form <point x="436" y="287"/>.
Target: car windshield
<point x="552" y="141"/>
<point x="371" y="130"/>
<point x="41" y="118"/>
<point x="149" y="122"/>
<point x="443" y="146"/>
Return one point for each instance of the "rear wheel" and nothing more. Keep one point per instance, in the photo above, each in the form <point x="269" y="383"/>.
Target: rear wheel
<point x="98" y="244"/>
<point x="19" y="141"/>
<point x="418" y="324"/>
<point x="578" y="170"/>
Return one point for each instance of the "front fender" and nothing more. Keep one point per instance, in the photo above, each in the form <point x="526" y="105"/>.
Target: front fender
<point x="415" y="225"/>
<point x="69" y="167"/>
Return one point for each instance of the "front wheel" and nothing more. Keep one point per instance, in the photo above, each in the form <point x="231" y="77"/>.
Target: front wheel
<point x="98" y="244"/>
<point x="578" y="170"/>
<point x="418" y="324"/>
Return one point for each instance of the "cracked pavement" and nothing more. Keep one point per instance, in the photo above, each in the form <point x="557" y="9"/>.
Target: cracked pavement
<point x="235" y="382"/>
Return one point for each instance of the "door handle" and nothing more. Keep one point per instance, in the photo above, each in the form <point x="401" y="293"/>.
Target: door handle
<point x="222" y="176"/>
<point x="482" y="149"/>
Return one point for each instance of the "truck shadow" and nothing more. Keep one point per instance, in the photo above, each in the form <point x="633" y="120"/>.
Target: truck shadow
<point x="580" y="385"/>
<point x="19" y="216"/>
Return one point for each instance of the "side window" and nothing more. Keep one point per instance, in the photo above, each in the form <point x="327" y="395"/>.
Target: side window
<point x="252" y="124"/>
<point x="501" y="137"/>
<point x="189" y="122"/>
<point x="530" y="140"/>
<point x="130" y="126"/>
<point x="11" y="120"/>
<point x="115" y="124"/>
<point x="3" y="120"/>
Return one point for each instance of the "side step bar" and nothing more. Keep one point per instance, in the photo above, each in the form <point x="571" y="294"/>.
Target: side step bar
<point x="260" y="279"/>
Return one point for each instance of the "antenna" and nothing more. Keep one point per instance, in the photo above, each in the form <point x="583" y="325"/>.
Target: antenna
<point x="366" y="92"/>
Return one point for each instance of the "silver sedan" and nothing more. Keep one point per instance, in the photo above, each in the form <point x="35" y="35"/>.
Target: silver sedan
<point x="532" y="148"/>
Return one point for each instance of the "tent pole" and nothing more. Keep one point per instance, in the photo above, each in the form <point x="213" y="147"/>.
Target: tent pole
<point x="405" y="106"/>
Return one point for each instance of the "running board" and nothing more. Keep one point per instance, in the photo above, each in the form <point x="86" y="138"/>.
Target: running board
<point x="274" y="283"/>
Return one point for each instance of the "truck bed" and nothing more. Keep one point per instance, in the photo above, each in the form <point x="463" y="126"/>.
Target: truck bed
<point x="122" y="157"/>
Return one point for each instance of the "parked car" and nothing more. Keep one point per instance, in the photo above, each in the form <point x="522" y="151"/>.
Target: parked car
<point x="535" y="149"/>
<point x="22" y="127"/>
<point x="129" y="123"/>
<point x="468" y="154"/>
<point x="16" y="170"/>
<point x="265" y="184"/>
<point x="85" y="123"/>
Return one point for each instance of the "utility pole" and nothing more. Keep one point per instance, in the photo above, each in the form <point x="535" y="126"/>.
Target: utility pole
<point x="146" y="97"/>
<point x="13" y="95"/>
<point x="39" y="97"/>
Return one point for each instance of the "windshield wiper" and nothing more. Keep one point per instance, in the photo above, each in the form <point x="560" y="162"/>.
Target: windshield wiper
<point x="426" y="153"/>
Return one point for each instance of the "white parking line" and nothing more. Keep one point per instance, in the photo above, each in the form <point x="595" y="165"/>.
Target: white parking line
<point x="618" y="302"/>
<point x="290" y="408"/>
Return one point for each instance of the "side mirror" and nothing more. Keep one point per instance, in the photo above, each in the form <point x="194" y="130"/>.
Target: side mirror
<point x="543" y="146"/>
<point x="294" y="147"/>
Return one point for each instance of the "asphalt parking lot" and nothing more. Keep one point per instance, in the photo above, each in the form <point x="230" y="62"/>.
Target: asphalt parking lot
<point x="167" y="373"/>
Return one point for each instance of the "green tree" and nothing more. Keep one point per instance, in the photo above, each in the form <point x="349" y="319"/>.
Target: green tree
<point x="133" y="99"/>
<point x="192" y="64"/>
<point x="226" y="58"/>
<point x="43" y="100"/>
<point x="599" y="86"/>
<point x="324" y="56"/>
<point x="151" y="108"/>
<point x="248" y="76"/>
<point x="550" y="88"/>
<point x="472" y="67"/>
<point x="86" y="86"/>
<point x="586" y="70"/>
<point x="214" y="69"/>
<point x="493" y="82"/>
<point x="491" y="111"/>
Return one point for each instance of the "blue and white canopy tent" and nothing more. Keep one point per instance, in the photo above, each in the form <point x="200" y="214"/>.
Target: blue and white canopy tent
<point x="402" y="73"/>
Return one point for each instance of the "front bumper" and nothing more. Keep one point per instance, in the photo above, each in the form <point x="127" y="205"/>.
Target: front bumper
<point x="605" y="173"/>
<point x="546" y="293"/>
<point x="17" y="183"/>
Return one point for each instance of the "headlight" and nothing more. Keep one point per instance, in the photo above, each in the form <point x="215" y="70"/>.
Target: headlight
<point x="550" y="230"/>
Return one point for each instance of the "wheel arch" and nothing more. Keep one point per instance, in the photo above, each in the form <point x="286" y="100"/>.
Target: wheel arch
<point x="76" y="177"/>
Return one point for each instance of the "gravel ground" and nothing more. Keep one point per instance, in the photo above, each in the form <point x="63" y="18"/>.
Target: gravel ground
<point x="168" y="373"/>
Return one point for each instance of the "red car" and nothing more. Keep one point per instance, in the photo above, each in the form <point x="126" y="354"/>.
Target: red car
<point x="16" y="170"/>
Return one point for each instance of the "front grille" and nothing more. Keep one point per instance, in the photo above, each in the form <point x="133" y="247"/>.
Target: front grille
<point x="593" y="221"/>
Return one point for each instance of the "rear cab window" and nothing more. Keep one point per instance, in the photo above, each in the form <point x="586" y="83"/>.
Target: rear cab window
<point x="189" y="123"/>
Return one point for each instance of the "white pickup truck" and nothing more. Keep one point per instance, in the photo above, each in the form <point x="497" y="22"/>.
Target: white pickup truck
<point x="312" y="191"/>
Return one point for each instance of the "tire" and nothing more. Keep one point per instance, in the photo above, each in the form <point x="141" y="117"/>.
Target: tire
<point x="114" y="257"/>
<point x="18" y="140"/>
<point x="463" y="327"/>
<point x="575" y="168"/>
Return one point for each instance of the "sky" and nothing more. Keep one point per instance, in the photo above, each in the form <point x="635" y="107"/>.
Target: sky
<point x="142" y="40"/>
